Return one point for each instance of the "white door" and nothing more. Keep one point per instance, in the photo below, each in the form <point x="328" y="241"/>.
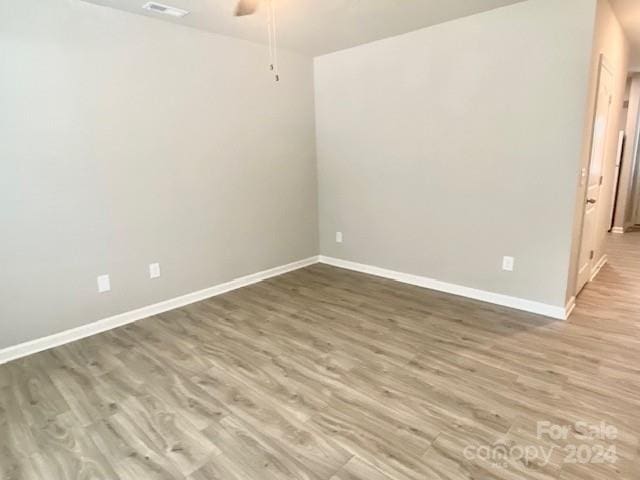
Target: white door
<point x="594" y="177"/>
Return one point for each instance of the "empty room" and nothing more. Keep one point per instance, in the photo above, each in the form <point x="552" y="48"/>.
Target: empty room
<point x="320" y="240"/>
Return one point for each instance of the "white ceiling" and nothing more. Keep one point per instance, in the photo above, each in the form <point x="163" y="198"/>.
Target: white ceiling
<point x="316" y="27"/>
<point x="628" y="12"/>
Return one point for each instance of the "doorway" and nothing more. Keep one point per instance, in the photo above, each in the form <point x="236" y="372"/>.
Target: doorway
<point x="635" y="186"/>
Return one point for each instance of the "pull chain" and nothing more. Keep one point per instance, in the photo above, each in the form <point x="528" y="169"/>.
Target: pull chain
<point x="273" y="42"/>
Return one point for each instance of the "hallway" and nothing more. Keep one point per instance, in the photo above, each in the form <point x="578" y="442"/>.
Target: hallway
<point x="615" y="293"/>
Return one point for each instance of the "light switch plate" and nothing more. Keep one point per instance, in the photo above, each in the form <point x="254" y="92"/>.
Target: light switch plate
<point x="338" y="237"/>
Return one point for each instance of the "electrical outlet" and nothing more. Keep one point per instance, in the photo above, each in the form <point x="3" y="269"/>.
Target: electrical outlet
<point x="508" y="264"/>
<point x="338" y="237"/>
<point x="104" y="284"/>
<point x="154" y="270"/>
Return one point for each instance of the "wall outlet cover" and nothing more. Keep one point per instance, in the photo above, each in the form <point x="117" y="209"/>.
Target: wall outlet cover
<point x="338" y="237"/>
<point x="154" y="270"/>
<point x="104" y="284"/>
<point x="508" y="264"/>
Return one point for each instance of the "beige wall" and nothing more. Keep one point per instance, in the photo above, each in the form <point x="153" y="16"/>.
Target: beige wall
<point x="610" y="41"/>
<point x="126" y="140"/>
<point x="445" y="149"/>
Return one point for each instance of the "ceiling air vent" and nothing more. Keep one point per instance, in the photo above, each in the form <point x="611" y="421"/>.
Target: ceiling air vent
<point x="164" y="9"/>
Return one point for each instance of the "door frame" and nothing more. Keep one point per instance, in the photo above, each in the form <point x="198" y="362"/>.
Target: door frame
<point x="603" y="63"/>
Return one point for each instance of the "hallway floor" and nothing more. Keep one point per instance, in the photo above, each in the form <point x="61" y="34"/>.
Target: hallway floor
<point x="614" y="295"/>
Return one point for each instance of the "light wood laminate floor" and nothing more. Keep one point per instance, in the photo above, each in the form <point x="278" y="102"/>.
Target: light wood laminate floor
<point x="326" y="374"/>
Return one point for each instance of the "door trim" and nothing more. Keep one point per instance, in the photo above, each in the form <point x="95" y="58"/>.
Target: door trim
<point x="596" y="270"/>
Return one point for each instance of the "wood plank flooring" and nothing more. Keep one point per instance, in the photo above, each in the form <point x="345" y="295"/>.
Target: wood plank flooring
<point x="326" y="374"/>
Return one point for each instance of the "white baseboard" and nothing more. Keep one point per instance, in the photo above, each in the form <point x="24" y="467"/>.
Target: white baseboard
<point x="552" y="311"/>
<point x="617" y="230"/>
<point x="596" y="270"/>
<point x="34" y="346"/>
<point x="57" y="339"/>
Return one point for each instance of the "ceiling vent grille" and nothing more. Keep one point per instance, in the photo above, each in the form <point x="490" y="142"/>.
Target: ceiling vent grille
<point x="164" y="9"/>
